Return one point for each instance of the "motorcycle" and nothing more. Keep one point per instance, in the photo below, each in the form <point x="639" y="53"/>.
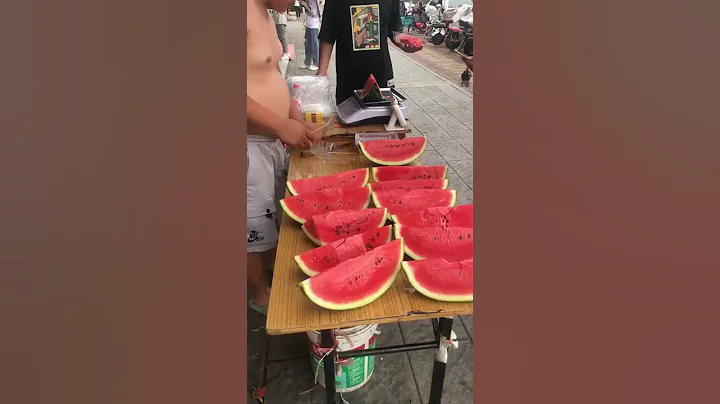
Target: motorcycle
<point x="460" y="31"/>
<point x="437" y="26"/>
<point x="420" y="19"/>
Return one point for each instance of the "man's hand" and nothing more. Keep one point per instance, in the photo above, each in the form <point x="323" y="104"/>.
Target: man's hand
<point x="315" y="132"/>
<point x="295" y="134"/>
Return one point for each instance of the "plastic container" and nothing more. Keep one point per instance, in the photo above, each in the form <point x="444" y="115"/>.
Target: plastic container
<point x="317" y="104"/>
<point x="297" y="96"/>
<point x="368" y="137"/>
<point x="351" y="374"/>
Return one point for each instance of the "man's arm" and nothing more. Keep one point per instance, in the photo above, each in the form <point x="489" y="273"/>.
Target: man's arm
<point x="326" y="49"/>
<point x="262" y="121"/>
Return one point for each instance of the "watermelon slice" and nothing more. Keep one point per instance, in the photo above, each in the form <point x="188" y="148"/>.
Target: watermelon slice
<point x="458" y="216"/>
<point x="336" y="225"/>
<point x="302" y="207"/>
<point x="400" y="200"/>
<point x="347" y="179"/>
<point x="452" y="244"/>
<point x="441" y="280"/>
<point x="394" y="152"/>
<point x="412" y="41"/>
<point x="356" y="282"/>
<point x="371" y="91"/>
<point x="409" y="184"/>
<point x="321" y="259"/>
<point x="409" y="173"/>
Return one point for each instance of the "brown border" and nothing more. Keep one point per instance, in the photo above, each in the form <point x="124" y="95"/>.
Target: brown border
<point x="597" y="166"/>
<point x="122" y="172"/>
<point x="596" y="173"/>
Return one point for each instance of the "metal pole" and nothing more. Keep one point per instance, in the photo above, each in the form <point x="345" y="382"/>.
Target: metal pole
<point x="387" y="350"/>
<point x="438" y="375"/>
<point x="327" y="341"/>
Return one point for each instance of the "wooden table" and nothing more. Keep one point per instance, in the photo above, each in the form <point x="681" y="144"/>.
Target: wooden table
<point x="290" y="311"/>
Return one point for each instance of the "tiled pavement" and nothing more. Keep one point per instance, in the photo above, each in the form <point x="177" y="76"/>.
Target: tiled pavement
<point x="443" y="112"/>
<point x="443" y="62"/>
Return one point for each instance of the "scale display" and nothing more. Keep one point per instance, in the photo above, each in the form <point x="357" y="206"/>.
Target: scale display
<point x="354" y="111"/>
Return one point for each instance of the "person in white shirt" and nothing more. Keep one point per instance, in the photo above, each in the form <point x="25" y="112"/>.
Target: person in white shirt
<point x="281" y="28"/>
<point x="312" y="31"/>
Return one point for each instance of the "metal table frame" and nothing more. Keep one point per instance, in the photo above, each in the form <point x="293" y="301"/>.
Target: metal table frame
<point x="443" y="331"/>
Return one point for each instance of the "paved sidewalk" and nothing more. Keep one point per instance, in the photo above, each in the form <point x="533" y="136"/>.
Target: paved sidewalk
<point x="441" y="111"/>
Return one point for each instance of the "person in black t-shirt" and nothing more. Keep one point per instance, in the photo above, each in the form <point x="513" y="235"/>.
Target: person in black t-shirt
<point x="359" y="30"/>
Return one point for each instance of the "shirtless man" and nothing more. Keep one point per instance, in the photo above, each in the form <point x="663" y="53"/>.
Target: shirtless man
<point x="272" y="120"/>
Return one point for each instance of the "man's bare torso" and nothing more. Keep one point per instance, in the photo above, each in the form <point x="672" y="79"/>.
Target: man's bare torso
<point x="265" y="84"/>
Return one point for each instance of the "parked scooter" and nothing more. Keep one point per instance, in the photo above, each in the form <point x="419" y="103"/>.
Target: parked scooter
<point x="437" y="25"/>
<point x="460" y="31"/>
<point x="420" y="19"/>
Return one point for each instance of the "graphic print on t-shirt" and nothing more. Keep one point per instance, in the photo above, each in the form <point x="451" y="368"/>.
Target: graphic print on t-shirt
<point x="365" y="27"/>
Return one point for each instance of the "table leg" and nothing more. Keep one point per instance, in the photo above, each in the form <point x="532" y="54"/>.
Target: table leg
<point x="329" y="365"/>
<point x="438" y="376"/>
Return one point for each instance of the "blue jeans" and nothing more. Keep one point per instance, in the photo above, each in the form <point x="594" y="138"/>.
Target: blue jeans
<point x="312" y="46"/>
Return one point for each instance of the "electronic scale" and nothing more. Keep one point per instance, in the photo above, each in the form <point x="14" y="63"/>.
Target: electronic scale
<point x="354" y="111"/>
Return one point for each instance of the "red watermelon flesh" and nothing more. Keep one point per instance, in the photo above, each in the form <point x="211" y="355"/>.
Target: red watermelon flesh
<point x="409" y="184"/>
<point x="371" y="91"/>
<point x="393" y="173"/>
<point x="321" y="259"/>
<point x="400" y="200"/>
<point x="458" y="216"/>
<point x="347" y="179"/>
<point x="394" y="152"/>
<point x="302" y="207"/>
<point x="412" y="41"/>
<point x="452" y="244"/>
<point x="358" y="281"/>
<point x="441" y="280"/>
<point x="332" y="226"/>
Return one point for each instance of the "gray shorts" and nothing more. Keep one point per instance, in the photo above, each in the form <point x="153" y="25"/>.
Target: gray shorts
<point x="267" y="165"/>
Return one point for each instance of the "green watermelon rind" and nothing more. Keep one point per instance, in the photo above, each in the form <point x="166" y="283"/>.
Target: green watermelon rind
<point x="375" y="169"/>
<point x="393" y="163"/>
<point x="310" y="272"/>
<point x="377" y="204"/>
<point x="311" y="237"/>
<point x="360" y="303"/>
<point x="409" y="273"/>
<point x="445" y="184"/>
<point x="300" y="220"/>
<point x="320" y="243"/>
<point x="294" y="192"/>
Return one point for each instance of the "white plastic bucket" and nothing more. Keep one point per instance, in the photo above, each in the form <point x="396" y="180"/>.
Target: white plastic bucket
<point x="353" y="373"/>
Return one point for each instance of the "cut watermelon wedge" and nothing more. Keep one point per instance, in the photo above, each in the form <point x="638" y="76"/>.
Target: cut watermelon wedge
<point x="323" y="258"/>
<point x="400" y="201"/>
<point x="356" y="282"/>
<point x="390" y="173"/>
<point x="441" y="280"/>
<point x="458" y="216"/>
<point x="302" y="207"/>
<point x="371" y="91"/>
<point x="452" y="244"/>
<point x="394" y="152"/>
<point x="347" y="179"/>
<point x="409" y="184"/>
<point x="336" y="225"/>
